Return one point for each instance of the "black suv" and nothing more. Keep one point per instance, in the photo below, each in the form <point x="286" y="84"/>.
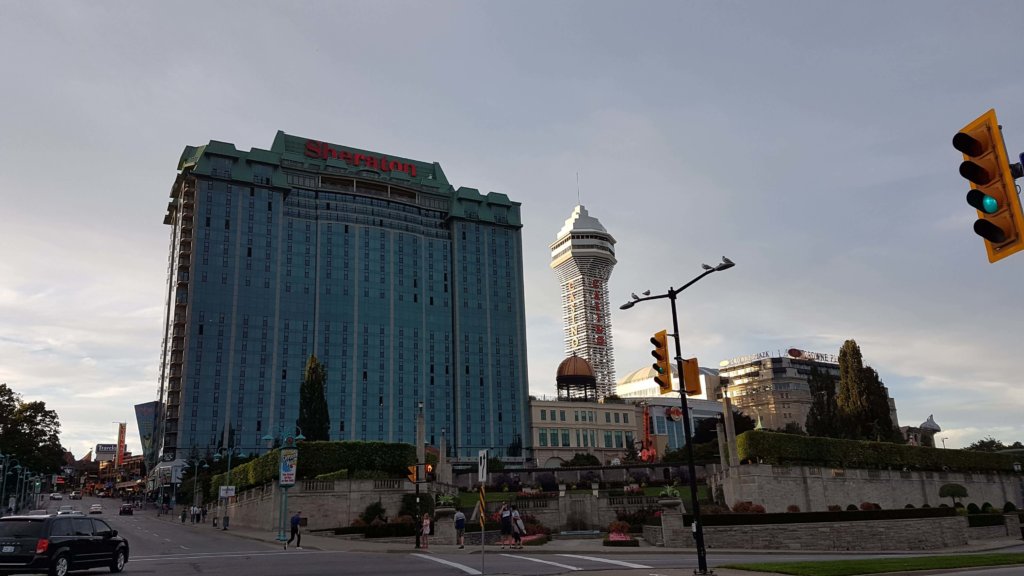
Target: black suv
<point x="58" y="544"/>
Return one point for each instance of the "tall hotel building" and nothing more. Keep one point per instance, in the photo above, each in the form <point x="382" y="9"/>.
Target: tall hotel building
<point x="407" y="289"/>
<point x="583" y="256"/>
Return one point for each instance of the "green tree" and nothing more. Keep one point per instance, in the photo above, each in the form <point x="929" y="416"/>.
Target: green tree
<point x="30" y="433"/>
<point x="793" y="428"/>
<point x="582" y="459"/>
<point x="853" y="403"/>
<point x="314" y="420"/>
<point x="987" y="444"/>
<point x="952" y="491"/>
<point x="705" y="430"/>
<point x="821" y="418"/>
<point x="878" y="425"/>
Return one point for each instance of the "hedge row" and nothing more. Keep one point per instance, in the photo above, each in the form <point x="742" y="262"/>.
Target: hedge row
<point x="319" y="458"/>
<point x="777" y="448"/>
<point x="802" y="517"/>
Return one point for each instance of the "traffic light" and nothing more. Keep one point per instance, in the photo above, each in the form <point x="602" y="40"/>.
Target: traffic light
<point x="430" y="473"/>
<point x="691" y="377"/>
<point x="993" y="192"/>
<point x="662" y="365"/>
<point x="412" y="473"/>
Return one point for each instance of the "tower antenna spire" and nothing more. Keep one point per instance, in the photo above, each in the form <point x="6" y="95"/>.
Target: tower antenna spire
<point x="578" y="202"/>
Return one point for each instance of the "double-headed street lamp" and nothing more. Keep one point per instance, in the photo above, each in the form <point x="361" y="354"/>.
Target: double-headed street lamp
<point x="286" y="472"/>
<point x="698" y="529"/>
<point x="227" y="482"/>
<point x="5" y="467"/>
<point x="19" y="489"/>
<point x="195" y="480"/>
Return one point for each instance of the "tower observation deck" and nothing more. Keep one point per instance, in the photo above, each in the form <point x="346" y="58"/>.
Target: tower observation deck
<point x="582" y="257"/>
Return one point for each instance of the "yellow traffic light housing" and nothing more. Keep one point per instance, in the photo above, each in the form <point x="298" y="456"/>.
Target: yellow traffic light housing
<point x="412" y="473"/>
<point x="691" y="377"/>
<point x="993" y="191"/>
<point x="662" y="363"/>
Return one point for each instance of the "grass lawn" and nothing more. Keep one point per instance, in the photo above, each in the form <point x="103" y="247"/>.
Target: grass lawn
<point x="880" y="565"/>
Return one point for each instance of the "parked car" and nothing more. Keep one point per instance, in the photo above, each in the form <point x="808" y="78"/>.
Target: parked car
<point x="126" y="510"/>
<point x="58" y="544"/>
<point x="56" y="496"/>
<point x="96" y="509"/>
<point x="66" y="509"/>
<point x="75" y="495"/>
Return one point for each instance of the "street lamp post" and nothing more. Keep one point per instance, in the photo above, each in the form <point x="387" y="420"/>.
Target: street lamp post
<point x="286" y="473"/>
<point x="195" y="480"/>
<point x="698" y="529"/>
<point x="19" y="489"/>
<point x="5" y="467"/>
<point x="227" y="482"/>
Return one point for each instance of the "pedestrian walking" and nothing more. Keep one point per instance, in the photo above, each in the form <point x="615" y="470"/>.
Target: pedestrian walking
<point x="296" y="521"/>
<point x="518" y="529"/>
<point x="505" y="515"/>
<point x="460" y="528"/>
<point x="184" y="513"/>
<point x="425" y="530"/>
<point x="202" y="512"/>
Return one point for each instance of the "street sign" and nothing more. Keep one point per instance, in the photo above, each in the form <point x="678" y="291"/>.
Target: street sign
<point x="482" y="466"/>
<point x="227" y="491"/>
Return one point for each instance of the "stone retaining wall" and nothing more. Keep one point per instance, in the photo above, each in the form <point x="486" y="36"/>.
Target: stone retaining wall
<point x="876" y="535"/>
<point x="816" y="488"/>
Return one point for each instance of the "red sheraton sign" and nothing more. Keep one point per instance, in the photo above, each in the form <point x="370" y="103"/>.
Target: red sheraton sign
<point x="323" y="151"/>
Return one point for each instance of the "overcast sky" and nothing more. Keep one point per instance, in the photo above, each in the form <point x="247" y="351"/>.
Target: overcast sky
<point x="807" y="141"/>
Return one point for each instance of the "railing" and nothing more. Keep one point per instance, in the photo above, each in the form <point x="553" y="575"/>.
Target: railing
<point x="318" y="485"/>
<point x="388" y="484"/>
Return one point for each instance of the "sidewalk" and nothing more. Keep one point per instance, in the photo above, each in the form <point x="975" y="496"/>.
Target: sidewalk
<point x="590" y="546"/>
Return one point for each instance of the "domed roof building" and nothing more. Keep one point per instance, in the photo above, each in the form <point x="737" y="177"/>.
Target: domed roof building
<point x="575" y="380"/>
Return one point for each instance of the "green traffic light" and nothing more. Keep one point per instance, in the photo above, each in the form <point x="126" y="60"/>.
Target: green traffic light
<point x="983" y="202"/>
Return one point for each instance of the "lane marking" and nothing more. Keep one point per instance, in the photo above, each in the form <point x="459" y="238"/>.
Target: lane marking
<point x="607" y="561"/>
<point x="462" y="567"/>
<point x="532" y="559"/>
<point x="202" y="555"/>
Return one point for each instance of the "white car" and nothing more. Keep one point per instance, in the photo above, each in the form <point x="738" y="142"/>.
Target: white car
<point x="56" y="496"/>
<point x="66" y="510"/>
<point x="96" y="509"/>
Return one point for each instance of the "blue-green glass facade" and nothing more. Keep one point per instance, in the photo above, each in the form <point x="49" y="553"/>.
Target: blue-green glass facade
<point x="406" y="289"/>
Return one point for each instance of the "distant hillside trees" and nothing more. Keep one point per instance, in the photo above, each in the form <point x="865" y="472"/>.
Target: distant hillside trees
<point x="990" y="444"/>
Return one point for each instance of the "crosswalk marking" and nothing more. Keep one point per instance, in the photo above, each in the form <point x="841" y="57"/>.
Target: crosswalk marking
<point x="532" y="559"/>
<point x="462" y="567"/>
<point x="605" y="560"/>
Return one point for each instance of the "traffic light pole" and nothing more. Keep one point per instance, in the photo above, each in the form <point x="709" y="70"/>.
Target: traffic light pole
<point x="698" y="528"/>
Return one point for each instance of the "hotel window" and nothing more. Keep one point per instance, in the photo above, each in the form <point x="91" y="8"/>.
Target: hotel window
<point x="553" y="416"/>
<point x="554" y="436"/>
<point x="625" y="418"/>
<point x="565" y="437"/>
<point x="616" y="417"/>
<point x="607" y="439"/>
<point x="608" y="417"/>
<point x="618" y="439"/>
<point x="561" y="414"/>
<point x="543" y="414"/>
<point x="575" y="415"/>
<point x="543" y="436"/>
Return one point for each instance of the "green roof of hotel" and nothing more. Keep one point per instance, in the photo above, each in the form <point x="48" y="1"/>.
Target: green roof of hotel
<point x="289" y="151"/>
